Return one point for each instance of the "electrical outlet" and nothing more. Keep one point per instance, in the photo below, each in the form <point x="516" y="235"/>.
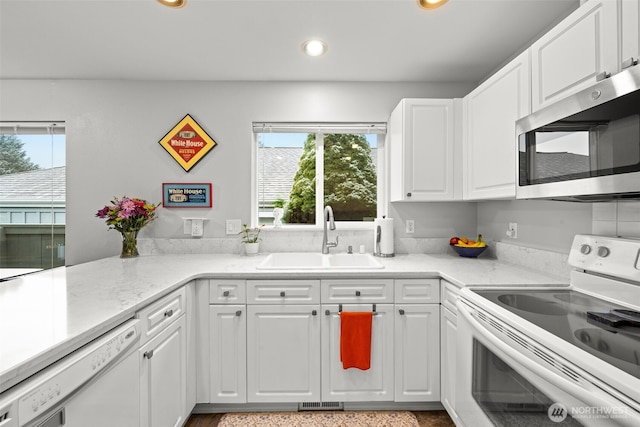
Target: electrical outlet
<point x="410" y="226"/>
<point x="512" y="231"/>
<point x="233" y="226"/>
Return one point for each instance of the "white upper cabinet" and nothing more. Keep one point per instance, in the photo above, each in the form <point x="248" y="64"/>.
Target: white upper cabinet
<point x="576" y="53"/>
<point x="422" y="151"/>
<point x="489" y="144"/>
<point x="629" y="33"/>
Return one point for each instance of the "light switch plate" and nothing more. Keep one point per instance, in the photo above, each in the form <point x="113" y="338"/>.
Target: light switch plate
<point x="233" y="226"/>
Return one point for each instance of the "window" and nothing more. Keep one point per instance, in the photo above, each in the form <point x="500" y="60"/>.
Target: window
<point x="288" y="160"/>
<point x="32" y="197"/>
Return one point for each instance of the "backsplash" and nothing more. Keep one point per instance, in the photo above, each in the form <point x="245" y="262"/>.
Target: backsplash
<point x="553" y="263"/>
<point x="290" y="241"/>
<point x="616" y="219"/>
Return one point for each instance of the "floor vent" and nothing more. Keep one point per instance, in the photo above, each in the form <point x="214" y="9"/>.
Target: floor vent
<point x="320" y="406"/>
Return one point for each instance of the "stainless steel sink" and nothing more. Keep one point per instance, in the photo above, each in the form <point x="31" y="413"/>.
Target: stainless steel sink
<point x="317" y="261"/>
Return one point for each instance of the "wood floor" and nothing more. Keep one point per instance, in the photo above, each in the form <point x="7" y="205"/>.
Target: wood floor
<point x="425" y="419"/>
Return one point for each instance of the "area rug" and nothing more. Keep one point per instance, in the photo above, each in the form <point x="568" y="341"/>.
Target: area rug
<point x="320" y="419"/>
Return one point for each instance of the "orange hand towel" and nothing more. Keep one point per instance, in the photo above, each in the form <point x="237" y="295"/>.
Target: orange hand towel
<point x="355" y="339"/>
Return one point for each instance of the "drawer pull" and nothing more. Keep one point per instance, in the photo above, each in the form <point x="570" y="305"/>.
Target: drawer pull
<point x="603" y="75"/>
<point x="314" y="312"/>
<point x="282" y="294"/>
<point x="401" y="311"/>
<point x="148" y="354"/>
<point x="238" y="313"/>
<point x="168" y="313"/>
<point x="225" y="294"/>
<point x="357" y="293"/>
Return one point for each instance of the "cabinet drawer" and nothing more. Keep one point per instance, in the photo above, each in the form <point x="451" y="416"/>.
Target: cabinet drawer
<point x="157" y="316"/>
<point x="355" y="291"/>
<point x="227" y="292"/>
<point x="418" y="291"/>
<point x="283" y="291"/>
<point x="450" y="293"/>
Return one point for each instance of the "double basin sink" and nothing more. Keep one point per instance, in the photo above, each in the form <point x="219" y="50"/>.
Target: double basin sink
<point x="316" y="261"/>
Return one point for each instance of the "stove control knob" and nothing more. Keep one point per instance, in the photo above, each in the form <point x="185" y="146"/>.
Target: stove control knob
<point x="585" y="249"/>
<point x="603" y="251"/>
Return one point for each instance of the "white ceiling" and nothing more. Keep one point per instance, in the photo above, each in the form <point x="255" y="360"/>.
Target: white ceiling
<point x="369" y="40"/>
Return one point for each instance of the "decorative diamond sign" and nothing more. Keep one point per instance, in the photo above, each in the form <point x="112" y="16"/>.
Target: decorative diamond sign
<point x="187" y="142"/>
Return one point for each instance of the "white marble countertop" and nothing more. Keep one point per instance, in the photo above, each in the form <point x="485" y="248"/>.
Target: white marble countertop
<point x="49" y="314"/>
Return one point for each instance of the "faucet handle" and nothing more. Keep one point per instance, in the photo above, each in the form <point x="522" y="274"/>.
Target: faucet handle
<point x="349" y="249"/>
<point x="333" y="244"/>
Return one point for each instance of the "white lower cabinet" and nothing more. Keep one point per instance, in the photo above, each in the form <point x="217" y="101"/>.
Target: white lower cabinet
<point x="283" y="353"/>
<point x="163" y="361"/>
<point x="283" y="345"/>
<point x="355" y="385"/>
<point x="228" y="352"/>
<point x="448" y="369"/>
<point x="163" y="374"/>
<point x="417" y="352"/>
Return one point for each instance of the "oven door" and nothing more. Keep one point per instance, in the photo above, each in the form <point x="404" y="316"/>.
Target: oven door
<point x="506" y="380"/>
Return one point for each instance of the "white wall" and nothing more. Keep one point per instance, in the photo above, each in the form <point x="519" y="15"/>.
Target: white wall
<point x="113" y="129"/>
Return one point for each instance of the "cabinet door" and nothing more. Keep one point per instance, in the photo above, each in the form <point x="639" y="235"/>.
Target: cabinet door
<point x="354" y="385"/>
<point x="572" y="55"/>
<point x="448" y="366"/>
<point x="422" y="150"/>
<point x="629" y="32"/>
<point x="417" y="353"/>
<point x="283" y="353"/>
<point x="228" y="349"/>
<point x="489" y="149"/>
<point x="163" y="378"/>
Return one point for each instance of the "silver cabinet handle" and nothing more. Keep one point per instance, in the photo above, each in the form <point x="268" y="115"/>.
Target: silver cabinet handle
<point x="168" y="313"/>
<point x="238" y="313"/>
<point x="148" y="354"/>
<point x="282" y="293"/>
<point x="603" y="75"/>
<point x="629" y="62"/>
<point x="401" y="311"/>
<point x="357" y="293"/>
<point x="225" y="294"/>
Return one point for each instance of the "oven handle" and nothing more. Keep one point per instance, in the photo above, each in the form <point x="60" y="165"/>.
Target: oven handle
<point x="591" y="395"/>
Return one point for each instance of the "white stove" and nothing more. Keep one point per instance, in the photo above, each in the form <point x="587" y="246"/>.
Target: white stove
<point x="555" y="355"/>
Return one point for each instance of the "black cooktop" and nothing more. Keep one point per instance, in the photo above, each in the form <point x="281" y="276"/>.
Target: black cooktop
<point x="606" y="330"/>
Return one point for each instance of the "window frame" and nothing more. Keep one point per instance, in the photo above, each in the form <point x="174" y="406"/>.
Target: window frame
<point x="320" y="129"/>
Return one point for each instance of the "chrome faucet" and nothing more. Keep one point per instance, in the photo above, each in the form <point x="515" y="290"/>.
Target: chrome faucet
<point x="328" y="216"/>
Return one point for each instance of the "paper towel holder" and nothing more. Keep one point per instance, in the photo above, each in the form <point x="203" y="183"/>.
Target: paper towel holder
<point x="376" y="249"/>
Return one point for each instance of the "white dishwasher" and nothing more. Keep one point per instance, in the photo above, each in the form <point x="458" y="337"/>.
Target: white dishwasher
<point x="96" y="385"/>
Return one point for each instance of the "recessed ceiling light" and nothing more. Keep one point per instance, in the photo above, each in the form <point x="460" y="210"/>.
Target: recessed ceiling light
<point x="173" y="3"/>
<point x="314" y="47"/>
<point x="431" y="4"/>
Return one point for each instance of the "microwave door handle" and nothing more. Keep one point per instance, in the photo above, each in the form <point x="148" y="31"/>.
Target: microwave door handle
<point x="586" y="393"/>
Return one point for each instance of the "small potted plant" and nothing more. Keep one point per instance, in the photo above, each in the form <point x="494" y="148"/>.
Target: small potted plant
<point x="251" y="238"/>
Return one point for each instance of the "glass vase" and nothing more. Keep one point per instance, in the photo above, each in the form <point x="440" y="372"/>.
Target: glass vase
<point x="129" y="244"/>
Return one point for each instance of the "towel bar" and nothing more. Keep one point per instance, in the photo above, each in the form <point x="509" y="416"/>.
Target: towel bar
<point x="327" y="312"/>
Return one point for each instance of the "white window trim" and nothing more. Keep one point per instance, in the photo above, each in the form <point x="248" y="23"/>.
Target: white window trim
<point x="382" y="182"/>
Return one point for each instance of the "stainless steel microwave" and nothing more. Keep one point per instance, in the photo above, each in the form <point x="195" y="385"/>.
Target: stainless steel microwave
<point x="585" y="147"/>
